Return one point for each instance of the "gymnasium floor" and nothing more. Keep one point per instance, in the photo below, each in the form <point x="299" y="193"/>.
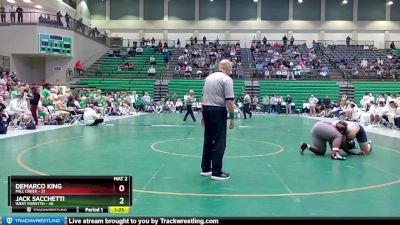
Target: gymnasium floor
<point x="269" y="176"/>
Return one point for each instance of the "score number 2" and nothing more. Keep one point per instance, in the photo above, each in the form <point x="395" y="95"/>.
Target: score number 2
<point x="121" y="188"/>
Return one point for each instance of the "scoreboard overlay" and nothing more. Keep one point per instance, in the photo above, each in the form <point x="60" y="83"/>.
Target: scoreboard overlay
<point x="89" y="194"/>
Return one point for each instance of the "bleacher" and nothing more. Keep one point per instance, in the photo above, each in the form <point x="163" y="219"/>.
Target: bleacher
<point x="395" y="52"/>
<point x="375" y="88"/>
<point x="299" y="90"/>
<point x="182" y="87"/>
<point x="308" y="71"/>
<point x="108" y="66"/>
<point x="119" y="85"/>
<point x="349" y="52"/>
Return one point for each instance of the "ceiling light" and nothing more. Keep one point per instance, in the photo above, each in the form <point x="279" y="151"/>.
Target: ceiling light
<point x="38" y="6"/>
<point x="27" y="1"/>
<point x="255" y="0"/>
<point x="11" y="1"/>
<point x="345" y="2"/>
<point x="390" y="3"/>
<point x="300" y="1"/>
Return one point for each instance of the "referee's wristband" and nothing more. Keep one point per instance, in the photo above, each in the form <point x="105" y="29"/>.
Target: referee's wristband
<point x="231" y="115"/>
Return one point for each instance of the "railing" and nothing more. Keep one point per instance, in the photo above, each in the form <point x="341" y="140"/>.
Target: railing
<point x="136" y="42"/>
<point x="220" y="42"/>
<point x="388" y="43"/>
<point x="326" y="43"/>
<point x="343" y="42"/>
<point x="5" y="62"/>
<point x="272" y="42"/>
<point x="55" y="21"/>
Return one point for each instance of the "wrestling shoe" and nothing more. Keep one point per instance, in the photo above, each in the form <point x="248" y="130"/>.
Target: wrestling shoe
<point x="337" y="156"/>
<point x="303" y="147"/>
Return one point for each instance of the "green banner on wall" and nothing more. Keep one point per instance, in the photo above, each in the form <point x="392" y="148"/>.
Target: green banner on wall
<point x="55" y="44"/>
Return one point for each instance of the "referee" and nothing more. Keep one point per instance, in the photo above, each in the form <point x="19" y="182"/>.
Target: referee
<point x="189" y="103"/>
<point x="217" y="95"/>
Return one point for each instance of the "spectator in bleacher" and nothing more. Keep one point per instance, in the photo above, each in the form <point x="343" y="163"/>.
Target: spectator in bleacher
<point x="3" y="14"/>
<point x="67" y="17"/>
<point x="265" y="40"/>
<point x="12" y="14"/>
<point x="110" y="53"/>
<point x="152" y="60"/>
<point x="291" y="41"/>
<point x="166" y="56"/>
<point x="20" y="14"/>
<point x="364" y="63"/>
<point x="59" y="17"/>
<point x="284" y="39"/>
<point x="127" y="66"/>
<point x="151" y="71"/>
<point x="290" y="71"/>
<point x="392" y="45"/>
<point x="324" y="71"/>
<point x="139" y="50"/>
<point x="348" y="39"/>
<point x="239" y="72"/>
<point x="267" y="72"/>
<point x="204" y="40"/>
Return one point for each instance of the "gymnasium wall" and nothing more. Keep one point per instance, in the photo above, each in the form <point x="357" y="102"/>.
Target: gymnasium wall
<point x="235" y="17"/>
<point x="30" y="69"/>
<point x="23" y="48"/>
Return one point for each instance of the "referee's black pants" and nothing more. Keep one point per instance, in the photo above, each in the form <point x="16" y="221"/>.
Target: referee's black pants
<point x="215" y="120"/>
<point x="247" y="110"/>
<point x="189" y="111"/>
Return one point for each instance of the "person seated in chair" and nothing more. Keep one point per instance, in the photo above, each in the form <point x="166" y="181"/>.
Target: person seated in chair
<point x="19" y="107"/>
<point x="90" y="117"/>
